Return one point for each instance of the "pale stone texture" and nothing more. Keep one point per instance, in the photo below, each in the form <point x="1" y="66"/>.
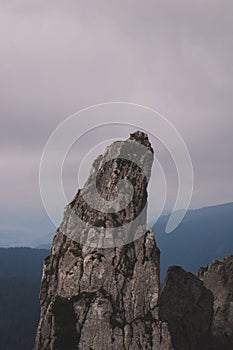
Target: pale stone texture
<point x="99" y="293"/>
<point x="218" y="278"/>
<point x="104" y="298"/>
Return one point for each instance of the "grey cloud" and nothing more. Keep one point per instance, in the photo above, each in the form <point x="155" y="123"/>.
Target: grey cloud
<point x="60" y="56"/>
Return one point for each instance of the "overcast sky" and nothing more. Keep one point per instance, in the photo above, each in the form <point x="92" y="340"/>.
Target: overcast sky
<point x="57" y="57"/>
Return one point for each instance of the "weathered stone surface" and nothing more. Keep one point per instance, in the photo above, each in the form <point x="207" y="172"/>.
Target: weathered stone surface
<point x="100" y="288"/>
<point x="109" y="294"/>
<point x="104" y="298"/>
<point x="218" y="277"/>
<point x="94" y="205"/>
<point x="187" y="306"/>
<point x="199" y="311"/>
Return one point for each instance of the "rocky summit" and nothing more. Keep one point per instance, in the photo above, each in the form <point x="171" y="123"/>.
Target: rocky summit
<point x="100" y="287"/>
<point x="188" y="308"/>
<point x="101" y="280"/>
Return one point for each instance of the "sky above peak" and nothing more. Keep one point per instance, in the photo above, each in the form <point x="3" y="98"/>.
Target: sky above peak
<point x="57" y="57"/>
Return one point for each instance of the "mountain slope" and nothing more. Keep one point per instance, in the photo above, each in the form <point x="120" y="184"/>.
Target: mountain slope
<point x="203" y="235"/>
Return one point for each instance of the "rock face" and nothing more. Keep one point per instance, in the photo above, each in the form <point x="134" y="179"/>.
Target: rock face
<point x="98" y="292"/>
<point x="187" y="306"/>
<point x="114" y="196"/>
<point x="199" y="309"/>
<point x="100" y="288"/>
<point x="218" y="277"/>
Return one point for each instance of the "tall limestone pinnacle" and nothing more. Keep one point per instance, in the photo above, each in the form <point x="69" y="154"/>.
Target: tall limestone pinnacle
<point x="100" y="283"/>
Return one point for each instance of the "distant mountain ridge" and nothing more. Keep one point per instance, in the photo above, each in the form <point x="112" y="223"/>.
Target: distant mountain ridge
<point x="14" y="239"/>
<point x="204" y="235"/>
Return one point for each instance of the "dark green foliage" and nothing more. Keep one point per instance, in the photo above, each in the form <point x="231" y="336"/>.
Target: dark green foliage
<point x="21" y="261"/>
<point x="20" y="275"/>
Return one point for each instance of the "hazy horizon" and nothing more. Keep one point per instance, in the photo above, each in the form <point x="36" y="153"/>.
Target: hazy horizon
<point x="60" y="57"/>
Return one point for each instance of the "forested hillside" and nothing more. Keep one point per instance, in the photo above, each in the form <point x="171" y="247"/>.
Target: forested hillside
<point x="20" y="275"/>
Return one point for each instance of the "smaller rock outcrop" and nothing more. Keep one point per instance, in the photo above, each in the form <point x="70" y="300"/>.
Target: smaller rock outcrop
<point x="218" y="278"/>
<point x="187" y="306"/>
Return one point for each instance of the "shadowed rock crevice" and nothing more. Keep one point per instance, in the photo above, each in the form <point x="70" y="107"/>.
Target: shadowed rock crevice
<point x="66" y="336"/>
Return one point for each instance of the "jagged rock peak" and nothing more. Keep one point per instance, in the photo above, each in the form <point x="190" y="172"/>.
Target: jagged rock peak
<point x="106" y="296"/>
<point x="115" y="194"/>
<point x="141" y="137"/>
<point x="97" y="298"/>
